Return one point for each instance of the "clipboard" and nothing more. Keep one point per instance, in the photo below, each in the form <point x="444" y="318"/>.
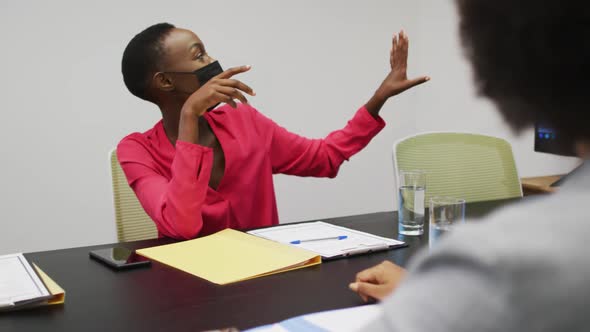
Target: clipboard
<point x="339" y="241"/>
<point x="25" y="285"/>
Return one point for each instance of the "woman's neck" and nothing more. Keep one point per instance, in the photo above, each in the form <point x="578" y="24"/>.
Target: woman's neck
<point x="171" y="118"/>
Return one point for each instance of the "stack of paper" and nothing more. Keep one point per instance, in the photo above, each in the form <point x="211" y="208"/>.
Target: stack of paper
<point x="23" y="285"/>
<point x="229" y="256"/>
<point x="343" y="320"/>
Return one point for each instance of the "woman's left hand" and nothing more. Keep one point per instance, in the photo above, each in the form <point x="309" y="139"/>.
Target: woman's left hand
<point x="397" y="80"/>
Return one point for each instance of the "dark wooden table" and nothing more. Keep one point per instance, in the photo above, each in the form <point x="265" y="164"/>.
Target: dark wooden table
<point x="160" y="298"/>
<point x="540" y="184"/>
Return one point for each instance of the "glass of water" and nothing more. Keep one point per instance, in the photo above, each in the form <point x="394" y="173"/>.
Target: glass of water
<point x="445" y="214"/>
<point x="412" y="188"/>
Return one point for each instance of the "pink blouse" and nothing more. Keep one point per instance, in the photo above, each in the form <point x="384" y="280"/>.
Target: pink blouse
<point x="172" y="183"/>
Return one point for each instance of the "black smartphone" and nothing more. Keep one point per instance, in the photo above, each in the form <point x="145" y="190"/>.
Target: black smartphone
<point x="119" y="258"/>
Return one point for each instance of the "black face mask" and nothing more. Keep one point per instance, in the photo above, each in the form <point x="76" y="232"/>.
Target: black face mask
<point x="208" y="72"/>
<point x="204" y="74"/>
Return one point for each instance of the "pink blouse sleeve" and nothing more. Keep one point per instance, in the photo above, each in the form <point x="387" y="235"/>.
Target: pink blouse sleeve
<point x="175" y="205"/>
<point x="296" y="155"/>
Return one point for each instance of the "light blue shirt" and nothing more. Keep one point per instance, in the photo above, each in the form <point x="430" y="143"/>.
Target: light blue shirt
<point x="525" y="268"/>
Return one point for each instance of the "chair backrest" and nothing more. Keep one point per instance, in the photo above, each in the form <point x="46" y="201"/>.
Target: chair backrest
<point x="468" y="166"/>
<point x="132" y="221"/>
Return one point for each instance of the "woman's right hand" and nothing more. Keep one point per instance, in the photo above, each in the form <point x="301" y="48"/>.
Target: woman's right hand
<point x="220" y="89"/>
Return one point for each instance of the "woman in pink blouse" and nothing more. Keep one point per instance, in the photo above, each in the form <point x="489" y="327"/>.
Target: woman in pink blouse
<point x="202" y="169"/>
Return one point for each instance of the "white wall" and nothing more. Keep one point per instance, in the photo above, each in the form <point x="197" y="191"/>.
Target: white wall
<point x="314" y="62"/>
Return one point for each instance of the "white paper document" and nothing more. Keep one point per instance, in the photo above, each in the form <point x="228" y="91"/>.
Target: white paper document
<point x="343" y="320"/>
<point x="19" y="282"/>
<point x="327" y="240"/>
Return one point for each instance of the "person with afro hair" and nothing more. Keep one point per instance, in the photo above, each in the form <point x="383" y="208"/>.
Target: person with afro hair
<point x="526" y="267"/>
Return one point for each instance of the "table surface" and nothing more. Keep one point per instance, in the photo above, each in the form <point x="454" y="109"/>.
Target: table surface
<point x="160" y="298"/>
<point x="540" y="184"/>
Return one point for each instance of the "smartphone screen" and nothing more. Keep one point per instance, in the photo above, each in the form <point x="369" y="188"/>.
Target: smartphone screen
<point x="119" y="257"/>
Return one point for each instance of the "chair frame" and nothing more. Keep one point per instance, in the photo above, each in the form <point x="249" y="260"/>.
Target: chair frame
<point x="397" y="142"/>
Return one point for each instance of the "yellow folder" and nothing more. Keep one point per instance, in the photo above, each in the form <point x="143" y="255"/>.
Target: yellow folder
<point x="58" y="295"/>
<point x="229" y="256"/>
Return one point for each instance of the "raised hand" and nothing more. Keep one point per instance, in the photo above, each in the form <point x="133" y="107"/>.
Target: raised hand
<point x="397" y="80"/>
<point x="220" y="89"/>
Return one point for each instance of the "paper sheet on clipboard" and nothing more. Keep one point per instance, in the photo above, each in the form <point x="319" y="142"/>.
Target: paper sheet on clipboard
<point x="356" y="242"/>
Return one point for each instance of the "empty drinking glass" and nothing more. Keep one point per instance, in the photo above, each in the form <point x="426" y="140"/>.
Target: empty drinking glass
<point x="445" y="214"/>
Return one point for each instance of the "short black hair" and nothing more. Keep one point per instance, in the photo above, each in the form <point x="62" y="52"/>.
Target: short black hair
<point x="532" y="58"/>
<point x="141" y="58"/>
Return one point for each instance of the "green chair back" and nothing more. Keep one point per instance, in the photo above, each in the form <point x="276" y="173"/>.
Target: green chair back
<point x="132" y="221"/>
<point x="468" y="166"/>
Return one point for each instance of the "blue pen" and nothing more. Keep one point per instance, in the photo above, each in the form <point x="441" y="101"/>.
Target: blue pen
<point x="341" y="237"/>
